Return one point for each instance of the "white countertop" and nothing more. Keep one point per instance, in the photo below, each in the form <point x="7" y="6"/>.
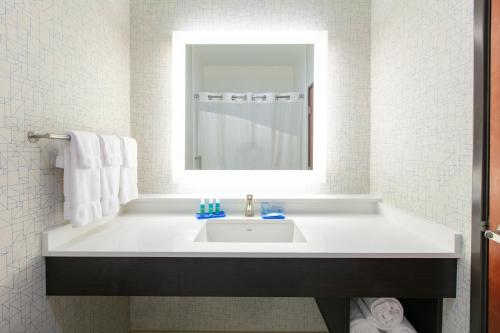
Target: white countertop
<point x="381" y="232"/>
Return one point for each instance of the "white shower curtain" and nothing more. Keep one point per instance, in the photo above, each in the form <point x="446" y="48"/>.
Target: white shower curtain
<point x="249" y="134"/>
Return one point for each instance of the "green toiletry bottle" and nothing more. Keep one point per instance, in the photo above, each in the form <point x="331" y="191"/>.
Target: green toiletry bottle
<point x="202" y="206"/>
<point x="210" y="206"/>
<point x="217" y="206"/>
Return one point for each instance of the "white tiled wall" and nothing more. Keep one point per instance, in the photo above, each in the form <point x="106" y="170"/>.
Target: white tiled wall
<point x="63" y="64"/>
<point x="421" y="119"/>
<point x="349" y="41"/>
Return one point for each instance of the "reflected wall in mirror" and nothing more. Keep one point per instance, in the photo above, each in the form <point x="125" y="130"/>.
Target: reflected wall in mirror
<point x="249" y="106"/>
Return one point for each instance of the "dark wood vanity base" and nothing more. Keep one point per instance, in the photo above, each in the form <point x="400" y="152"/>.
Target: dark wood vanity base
<point x="420" y="283"/>
<point x="298" y="277"/>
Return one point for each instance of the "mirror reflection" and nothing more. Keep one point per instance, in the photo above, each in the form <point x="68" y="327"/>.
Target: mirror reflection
<point x="249" y="107"/>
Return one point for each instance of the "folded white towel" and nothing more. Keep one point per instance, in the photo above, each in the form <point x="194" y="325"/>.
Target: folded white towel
<point x="358" y="322"/>
<point x="110" y="173"/>
<point x="85" y="149"/>
<point x="128" y="174"/>
<point x="386" y="312"/>
<point x="404" y="327"/>
<point x="111" y="150"/>
<point x="81" y="161"/>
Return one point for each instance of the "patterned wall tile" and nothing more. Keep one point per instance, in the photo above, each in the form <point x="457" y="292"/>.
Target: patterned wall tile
<point x="63" y="64"/>
<point x="421" y="119"/>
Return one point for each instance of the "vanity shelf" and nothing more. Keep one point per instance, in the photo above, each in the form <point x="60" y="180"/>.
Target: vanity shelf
<point x="420" y="282"/>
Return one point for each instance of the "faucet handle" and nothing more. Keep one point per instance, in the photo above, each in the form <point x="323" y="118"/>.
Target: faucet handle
<point x="249" y="206"/>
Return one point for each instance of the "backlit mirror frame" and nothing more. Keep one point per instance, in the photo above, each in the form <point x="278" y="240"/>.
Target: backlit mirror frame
<point x="239" y="178"/>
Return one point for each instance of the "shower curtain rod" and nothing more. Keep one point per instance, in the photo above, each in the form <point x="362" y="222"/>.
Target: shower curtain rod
<point x="254" y="96"/>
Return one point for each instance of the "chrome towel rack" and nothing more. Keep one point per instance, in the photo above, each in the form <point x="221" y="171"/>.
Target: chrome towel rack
<point x="34" y="137"/>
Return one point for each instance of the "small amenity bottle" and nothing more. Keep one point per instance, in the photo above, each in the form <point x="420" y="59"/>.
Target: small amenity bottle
<point x="217" y="206"/>
<point x="202" y="206"/>
<point x="210" y="206"/>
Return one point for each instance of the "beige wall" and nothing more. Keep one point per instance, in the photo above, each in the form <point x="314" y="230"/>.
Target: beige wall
<point x="63" y="64"/>
<point x="225" y="314"/>
<point x="421" y="119"/>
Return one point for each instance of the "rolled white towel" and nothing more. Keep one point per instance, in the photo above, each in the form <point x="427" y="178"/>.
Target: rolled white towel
<point x="404" y="327"/>
<point x="365" y="310"/>
<point x="358" y="322"/>
<point x="387" y="313"/>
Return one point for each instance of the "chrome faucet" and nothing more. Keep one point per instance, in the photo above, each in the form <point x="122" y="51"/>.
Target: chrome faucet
<point x="249" y="206"/>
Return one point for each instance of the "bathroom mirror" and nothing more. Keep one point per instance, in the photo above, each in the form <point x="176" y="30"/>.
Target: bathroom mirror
<point x="248" y="104"/>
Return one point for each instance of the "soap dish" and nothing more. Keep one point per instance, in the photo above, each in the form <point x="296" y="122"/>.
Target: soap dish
<point x="204" y="216"/>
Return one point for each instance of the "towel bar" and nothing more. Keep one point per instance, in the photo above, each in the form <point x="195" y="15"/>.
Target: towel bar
<point x="34" y="137"/>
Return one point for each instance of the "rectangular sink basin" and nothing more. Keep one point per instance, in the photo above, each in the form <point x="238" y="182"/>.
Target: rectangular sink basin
<point x="250" y="231"/>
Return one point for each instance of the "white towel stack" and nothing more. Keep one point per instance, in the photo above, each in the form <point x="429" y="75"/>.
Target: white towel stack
<point x="128" y="174"/>
<point x="110" y="173"/>
<point x="81" y="160"/>
<point x="100" y="173"/>
<point x="359" y="323"/>
<point x="386" y="314"/>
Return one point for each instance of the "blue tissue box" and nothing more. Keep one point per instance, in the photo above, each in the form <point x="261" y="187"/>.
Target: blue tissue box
<point x="272" y="211"/>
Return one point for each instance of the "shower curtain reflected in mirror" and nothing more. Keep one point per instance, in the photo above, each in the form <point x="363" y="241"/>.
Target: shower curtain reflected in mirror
<point x="249" y="131"/>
